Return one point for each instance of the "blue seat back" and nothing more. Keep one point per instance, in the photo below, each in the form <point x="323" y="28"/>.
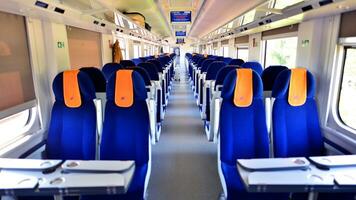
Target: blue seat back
<point x="157" y="64"/>
<point x="270" y="74"/>
<point x="238" y="62"/>
<point x="243" y="130"/>
<point x="127" y="63"/>
<point x="137" y="61"/>
<point x="222" y="74"/>
<point x="227" y="60"/>
<point x="126" y="127"/>
<point x="213" y="69"/>
<point x="296" y="130"/>
<point x="72" y="130"/>
<point x="200" y="62"/>
<point x="145" y="76"/>
<point x="205" y="64"/>
<point x="151" y="70"/>
<point x="110" y="68"/>
<point x="256" y="66"/>
<point x="97" y="77"/>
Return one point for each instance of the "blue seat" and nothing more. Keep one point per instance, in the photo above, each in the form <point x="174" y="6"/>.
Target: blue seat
<point x="122" y="138"/>
<point x="145" y="76"/>
<point x="205" y="65"/>
<point x="243" y="131"/>
<point x="151" y="69"/>
<point x="72" y="130"/>
<point x="127" y="63"/>
<point x="222" y="73"/>
<point x="110" y="68"/>
<point x="238" y="62"/>
<point x="137" y="61"/>
<point x="157" y="64"/>
<point x="97" y="77"/>
<point x="213" y="69"/>
<point x="256" y="66"/>
<point x="270" y="74"/>
<point x="227" y="60"/>
<point x="296" y="130"/>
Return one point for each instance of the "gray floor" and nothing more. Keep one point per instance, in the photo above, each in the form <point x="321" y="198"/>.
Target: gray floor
<point x="183" y="162"/>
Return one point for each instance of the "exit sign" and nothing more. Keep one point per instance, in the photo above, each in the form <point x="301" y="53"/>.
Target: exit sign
<point x="60" y="45"/>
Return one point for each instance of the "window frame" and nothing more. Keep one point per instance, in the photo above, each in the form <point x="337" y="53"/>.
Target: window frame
<point x="339" y="120"/>
<point x="245" y="47"/>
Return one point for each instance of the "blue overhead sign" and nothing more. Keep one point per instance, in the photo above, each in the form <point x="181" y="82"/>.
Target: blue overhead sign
<point x="181" y="16"/>
<point x="181" y="33"/>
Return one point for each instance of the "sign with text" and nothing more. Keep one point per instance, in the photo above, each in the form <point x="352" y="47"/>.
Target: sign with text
<point x="181" y="33"/>
<point x="181" y="16"/>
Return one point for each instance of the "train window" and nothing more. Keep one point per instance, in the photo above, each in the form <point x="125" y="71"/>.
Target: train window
<point x="281" y="51"/>
<point x="13" y="127"/>
<point x="225" y="51"/>
<point x="137" y="50"/>
<point x="347" y="98"/>
<point x="16" y="82"/>
<point x="242" y="53"/>
<point x="84" y="44"/>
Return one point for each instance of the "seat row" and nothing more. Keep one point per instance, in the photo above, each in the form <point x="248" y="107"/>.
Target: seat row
<point x="263" y="114"/>
<point x="74" y="131"/>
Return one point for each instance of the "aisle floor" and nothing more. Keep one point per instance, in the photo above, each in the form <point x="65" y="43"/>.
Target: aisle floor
<point x="184" y="163"/>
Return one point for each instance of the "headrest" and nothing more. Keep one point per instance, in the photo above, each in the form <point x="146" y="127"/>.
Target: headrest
<point x="227" y="60"/>
<point x="109" y="68"/>
<point x="256" y="66"/>
<point x="205" y="65"/>
<point x="151" y="70"/>
<point x="213" y="69"/>
<point x="270" y="74"/>
<point x="238" y="62"/>
<point x="96" y="77"/>
<point x="73" y="87"/>
<point x="222" y="73"/>
<point x="125" y="87"/>
<point x="158" y="65"/>
<point x="143" y="59"/>
<point x="127" y="63"/>
<point x="200" y="62"/>
<point x="296" y="85"/>
<point x="241" y="86"/>
<point x="137" y="61"/>
<point x="145" y="76"/>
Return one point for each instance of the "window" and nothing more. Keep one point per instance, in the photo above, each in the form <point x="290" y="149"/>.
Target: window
<point x="347" y="99"/>
<point x="281" y="51"/>
<point x="225" y="51"/>
<point x="137" y="50"/>
<point x="122" y="43"/>
<point x="242" y="53"/>
<point x="84" y="44"/>
<point x="14" y="126"/>
<point x="16" y="82"/>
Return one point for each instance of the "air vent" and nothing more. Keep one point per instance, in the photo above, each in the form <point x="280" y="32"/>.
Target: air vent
<point x="59" y="10"/>
<point x="96" y="22"/>
<point x="261" y="23"/>
<point x="117" y="30"/>
<point x="103" y="24"/>
<point x="325" y="2"/>
<point x="307" y="8"/>
<point x="41" y="4"/>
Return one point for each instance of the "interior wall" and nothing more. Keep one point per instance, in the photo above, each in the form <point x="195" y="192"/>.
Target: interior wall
<point x="232" y="49"/>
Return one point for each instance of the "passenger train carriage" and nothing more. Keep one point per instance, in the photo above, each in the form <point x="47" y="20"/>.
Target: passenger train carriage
<point x="178" y="99"/>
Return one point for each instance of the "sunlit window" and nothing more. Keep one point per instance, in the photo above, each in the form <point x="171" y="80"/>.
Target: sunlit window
<point x="280" y="4"/>
<point x="137" y="50"/>
<point x="225" y="51"/>
<point x="249" y="17"/>
<point x="123" y="47"/>
<point x="242" y="53"/>
<point x="347" y="106"/>
<point x="13" y="126"/>
<point x="281" y="51"/>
